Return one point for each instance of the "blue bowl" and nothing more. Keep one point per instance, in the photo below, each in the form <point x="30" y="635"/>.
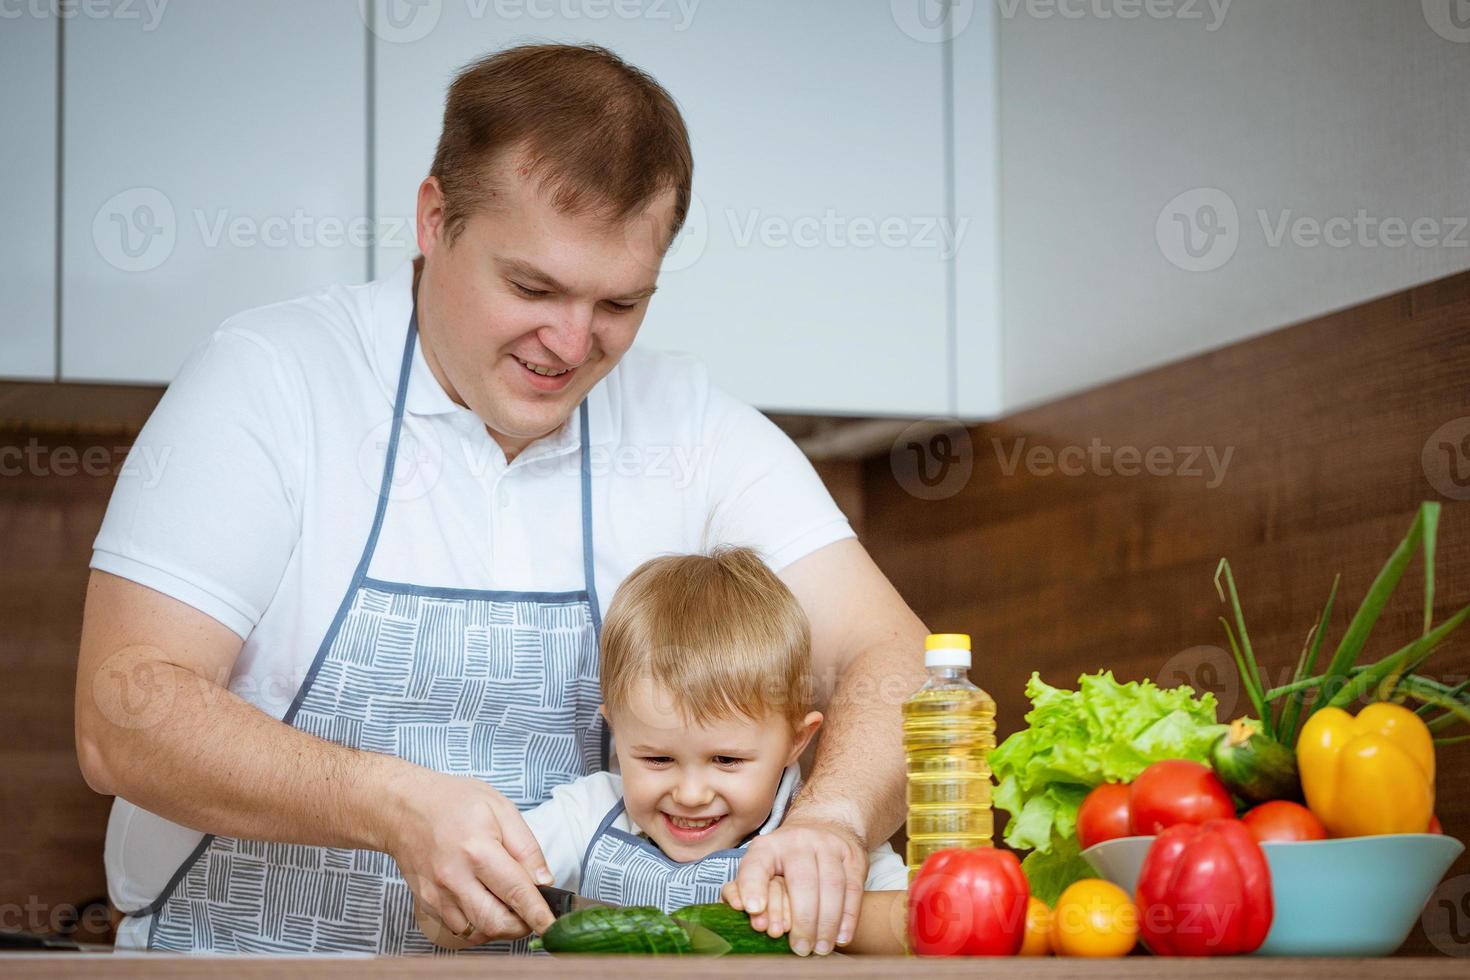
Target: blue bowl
<point x="1351" y="896"/>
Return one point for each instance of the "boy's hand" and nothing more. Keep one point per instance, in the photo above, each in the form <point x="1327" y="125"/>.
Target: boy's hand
<point x="824" y="867"/>
<point x="777" y="914"/>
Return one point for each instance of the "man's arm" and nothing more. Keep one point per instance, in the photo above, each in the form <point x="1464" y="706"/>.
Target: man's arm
<point x="867" y="657"/>
<point x="156" y="724"/>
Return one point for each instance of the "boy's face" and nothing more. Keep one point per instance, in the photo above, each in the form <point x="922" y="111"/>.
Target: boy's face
<point x="695" y="789"/>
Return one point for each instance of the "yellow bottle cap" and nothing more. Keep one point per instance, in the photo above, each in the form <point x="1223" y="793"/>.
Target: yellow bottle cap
<point x="947" y="650"/>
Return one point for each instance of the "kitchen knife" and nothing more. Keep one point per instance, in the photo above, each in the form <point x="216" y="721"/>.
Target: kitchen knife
<point x="563" y="901"/>
<point x="27" y="942"/>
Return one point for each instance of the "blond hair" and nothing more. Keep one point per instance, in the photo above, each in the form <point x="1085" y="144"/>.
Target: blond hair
<point x="720" y="633"/>
<point x="602" y="134"/>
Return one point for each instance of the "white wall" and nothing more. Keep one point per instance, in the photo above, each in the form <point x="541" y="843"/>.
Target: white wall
<point x="1303" y="108"/>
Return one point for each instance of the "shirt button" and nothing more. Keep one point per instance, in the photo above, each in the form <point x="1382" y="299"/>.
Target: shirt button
<point x="503" y="498"/>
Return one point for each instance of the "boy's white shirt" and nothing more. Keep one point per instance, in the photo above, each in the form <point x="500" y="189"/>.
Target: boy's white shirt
<point x="564" y="826"/>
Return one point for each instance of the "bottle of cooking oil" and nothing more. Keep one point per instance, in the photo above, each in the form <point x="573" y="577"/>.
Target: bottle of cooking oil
<point x="948" y="732"/>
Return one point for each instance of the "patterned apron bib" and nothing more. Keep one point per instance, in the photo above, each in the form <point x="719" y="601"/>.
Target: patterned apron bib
<point x="626" y="869"/>
<point x="499" y="685"/>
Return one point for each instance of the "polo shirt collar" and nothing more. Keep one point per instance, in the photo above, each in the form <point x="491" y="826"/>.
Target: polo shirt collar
<point x="392" y="306"/>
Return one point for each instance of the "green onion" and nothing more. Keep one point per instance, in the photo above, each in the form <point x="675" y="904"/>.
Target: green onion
<point x="1344" y="680"/>
<point x="1430" y="692"/>
<point x="1245" y="658"/>
<point x="1393" y="665"/>
<point x="1455" y="691"/>
<point x="1371" y="608"/>
<point x="1291" y="716"/>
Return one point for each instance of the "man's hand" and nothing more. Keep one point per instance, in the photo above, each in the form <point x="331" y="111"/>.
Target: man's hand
<point x="824" y="867"/>
<point x="468" y="856"/>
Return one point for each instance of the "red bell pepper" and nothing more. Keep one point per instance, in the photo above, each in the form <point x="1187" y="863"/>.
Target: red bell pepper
<point x="1205" y="890"/>
<point x="968" y="902"/>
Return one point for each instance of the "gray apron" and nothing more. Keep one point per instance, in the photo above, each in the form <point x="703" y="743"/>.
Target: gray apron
<point x="498" y="685"/>
<point x="627" y="869"/>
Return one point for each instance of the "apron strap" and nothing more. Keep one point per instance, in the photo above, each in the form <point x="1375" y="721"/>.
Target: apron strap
<point x="589" y="566"/>
<point x="612" y="814"/>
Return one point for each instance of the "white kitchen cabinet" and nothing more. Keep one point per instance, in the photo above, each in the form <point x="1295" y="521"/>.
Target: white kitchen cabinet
<point x="977" y="295"/>
<point x="813" y="272"/>
<point x="215" y="160"/>
<point x="28" y="195"/>
<point x="1204" y="173"/>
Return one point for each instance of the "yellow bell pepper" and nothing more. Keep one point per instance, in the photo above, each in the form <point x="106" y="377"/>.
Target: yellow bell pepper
<point x="1369" y="774"/>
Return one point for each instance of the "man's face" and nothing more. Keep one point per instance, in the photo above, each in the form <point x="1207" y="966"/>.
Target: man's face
<point x="529" y="308"/>
<point x="696" y="789"/>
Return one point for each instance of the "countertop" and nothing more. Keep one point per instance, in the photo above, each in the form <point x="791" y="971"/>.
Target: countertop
<point x="653" y="968"/>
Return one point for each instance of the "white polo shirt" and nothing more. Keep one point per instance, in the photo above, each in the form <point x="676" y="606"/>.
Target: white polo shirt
<point x="251" y="490"/>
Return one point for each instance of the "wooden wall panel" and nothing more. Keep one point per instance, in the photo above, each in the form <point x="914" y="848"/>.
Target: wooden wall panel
<point x="50" y="509"/>
<point x="1325" y="423"/>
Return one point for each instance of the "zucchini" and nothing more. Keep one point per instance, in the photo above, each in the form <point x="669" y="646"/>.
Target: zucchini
<point x="1254" y="766"/>
<point x="733" y="926"/>
<point x="636" y="929"/>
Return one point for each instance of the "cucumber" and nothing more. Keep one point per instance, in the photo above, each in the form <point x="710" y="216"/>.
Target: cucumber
<point x="636" y="929"/>
<point x="1253" y="766"/>
<point x="733" y="926"/>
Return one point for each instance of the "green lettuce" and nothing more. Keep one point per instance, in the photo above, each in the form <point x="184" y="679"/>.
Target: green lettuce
<point x="1104" y="732"/>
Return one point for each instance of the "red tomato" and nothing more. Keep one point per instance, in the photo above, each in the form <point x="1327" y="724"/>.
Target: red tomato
<point x="1177" y="791"/>
<point x="1434" y="826"/>
<point x="1282" y="820"/>
<point x="1103" y="815"/>
<point x="968" y="902"/>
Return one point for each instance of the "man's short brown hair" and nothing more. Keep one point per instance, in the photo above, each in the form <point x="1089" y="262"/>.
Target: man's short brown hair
<point x="721" y="634"/>
<point x="601" y="135"/>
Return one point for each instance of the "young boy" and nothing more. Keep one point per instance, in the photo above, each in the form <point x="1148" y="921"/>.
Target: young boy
<point x="706" y="681"/>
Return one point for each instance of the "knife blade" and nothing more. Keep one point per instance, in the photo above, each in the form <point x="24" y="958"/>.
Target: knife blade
<point x="561" y="901"/>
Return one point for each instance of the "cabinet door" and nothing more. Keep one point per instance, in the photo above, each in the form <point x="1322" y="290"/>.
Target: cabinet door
<point x="975" y="90"/>
<point x="28" y="195"/>
<point x="811" y="276"/>
<point x="214" y="161"/>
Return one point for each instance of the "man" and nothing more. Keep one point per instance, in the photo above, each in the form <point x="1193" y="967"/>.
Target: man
<point x="351" y="631"/>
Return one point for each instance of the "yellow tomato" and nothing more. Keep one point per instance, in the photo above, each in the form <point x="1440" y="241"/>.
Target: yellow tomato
<point x="1038" y="929"/>
<point x="1094" y="918"/>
